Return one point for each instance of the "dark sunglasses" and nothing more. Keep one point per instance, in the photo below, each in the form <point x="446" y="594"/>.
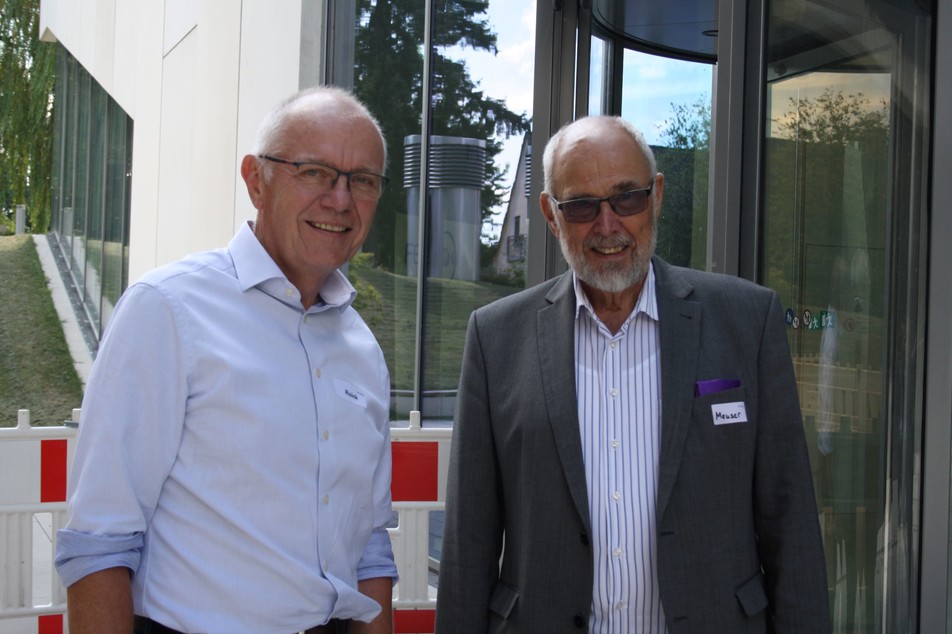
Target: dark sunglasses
<point x="628" y="203"/>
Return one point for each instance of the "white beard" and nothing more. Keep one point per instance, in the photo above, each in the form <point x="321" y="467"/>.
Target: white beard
<point x="613" y="278"/>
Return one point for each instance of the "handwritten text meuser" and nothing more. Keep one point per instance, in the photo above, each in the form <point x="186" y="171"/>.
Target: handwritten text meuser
<point x="729" y="413"/>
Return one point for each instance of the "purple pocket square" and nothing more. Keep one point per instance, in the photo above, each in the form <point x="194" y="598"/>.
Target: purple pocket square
<point x="712" y="386"/>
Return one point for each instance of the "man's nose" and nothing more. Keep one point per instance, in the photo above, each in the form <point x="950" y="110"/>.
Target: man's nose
<point x="606" y="215"/>
<point x="339" y="192"/>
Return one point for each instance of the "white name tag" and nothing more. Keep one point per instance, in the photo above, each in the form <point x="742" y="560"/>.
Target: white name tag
<point x="729" y="413"/>
<point x="350" y="394"/>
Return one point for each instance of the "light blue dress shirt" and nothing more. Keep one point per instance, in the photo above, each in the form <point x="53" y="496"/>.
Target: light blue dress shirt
<point x="234" y="450"/>
<point x="618" y="382"/>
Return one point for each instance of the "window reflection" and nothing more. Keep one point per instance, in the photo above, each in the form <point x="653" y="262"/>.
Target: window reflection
<point x="669" y="100"/>
<point x="841" y="157"/>
<point x="466" y="243"/>
<point x="826" y="256"/>
<point x="90" y="199"/>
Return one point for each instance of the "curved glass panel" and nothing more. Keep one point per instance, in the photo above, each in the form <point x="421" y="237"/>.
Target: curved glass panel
<point x="685" y="28"/>
<point x="669" y="100"/>
<point x="846" y="93"/>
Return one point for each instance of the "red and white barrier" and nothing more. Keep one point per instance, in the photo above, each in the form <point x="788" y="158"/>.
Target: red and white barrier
<point x="34" y="462"/>
<point x="420" y="460"/>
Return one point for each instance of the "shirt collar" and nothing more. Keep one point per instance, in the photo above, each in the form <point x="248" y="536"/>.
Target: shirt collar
<point x="255" y="268"/>
<point x="647" y="301"/>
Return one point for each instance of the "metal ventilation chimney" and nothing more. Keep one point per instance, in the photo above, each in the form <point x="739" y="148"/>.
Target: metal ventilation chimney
<point x="457" y="169"/>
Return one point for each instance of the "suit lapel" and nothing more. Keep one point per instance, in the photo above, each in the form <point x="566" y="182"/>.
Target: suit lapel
<point x="680" y="322"/>
<point x="555" y="328"/>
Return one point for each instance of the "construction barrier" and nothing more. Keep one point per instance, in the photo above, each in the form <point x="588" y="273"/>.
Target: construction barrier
<point x="34" y="462"/>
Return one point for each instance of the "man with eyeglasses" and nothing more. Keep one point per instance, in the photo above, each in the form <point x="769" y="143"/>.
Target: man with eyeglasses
<point x="232" y="472"/>
<point x="628" y="453"/>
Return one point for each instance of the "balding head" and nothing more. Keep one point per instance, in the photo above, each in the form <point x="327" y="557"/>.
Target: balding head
<point x="590" y="130"/>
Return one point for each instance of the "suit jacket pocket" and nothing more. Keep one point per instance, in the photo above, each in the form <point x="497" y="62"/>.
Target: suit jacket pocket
<point x="503" y="599"/>
<point x="704" y="406"/>
<point x="752" y="596"/>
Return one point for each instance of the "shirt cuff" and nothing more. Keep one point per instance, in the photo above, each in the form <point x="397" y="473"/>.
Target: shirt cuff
<point x="81" y="554"/>
<point x="377" y="560"/>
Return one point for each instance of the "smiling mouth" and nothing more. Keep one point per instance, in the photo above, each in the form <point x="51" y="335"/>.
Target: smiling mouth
<point x="331" y="228"/>
<point x="609" y="250"/>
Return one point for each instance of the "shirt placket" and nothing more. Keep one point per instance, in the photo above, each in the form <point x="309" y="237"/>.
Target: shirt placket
<point x="615" y="469"/>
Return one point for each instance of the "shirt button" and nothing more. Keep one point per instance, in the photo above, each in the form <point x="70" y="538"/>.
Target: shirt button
<point x="614" y="345"/>
<point x="289" y="292"/>
<point x="317" y="373"/>
<point x="326" y="435"/>
<point x="621" y="605"/>
<point x="616" y="495"/>
<point x="613" y="392"/>
<point x="327" y="499"/>
<point x="615" y="444"/>
<point x="618" y="552"/>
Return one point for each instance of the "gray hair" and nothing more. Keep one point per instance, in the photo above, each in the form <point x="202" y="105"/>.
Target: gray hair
<point x="554" y="144"/>
<point x="273" y="125"/>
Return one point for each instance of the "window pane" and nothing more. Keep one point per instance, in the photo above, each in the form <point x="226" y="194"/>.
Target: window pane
<point x="669" y="100"/>
<point x="118" y="153"/>
<point x="81" y="199"/>
<point x="840" y="186"/>
<point x="476" y="177"/>
<point x="472" y="247"/>
<point x="598" y="92"/>
<point x="94" y="244"/>
<point x="388" y="75"/>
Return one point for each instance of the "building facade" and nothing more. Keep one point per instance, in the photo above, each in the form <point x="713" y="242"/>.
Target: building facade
<point x="804" y="147"/>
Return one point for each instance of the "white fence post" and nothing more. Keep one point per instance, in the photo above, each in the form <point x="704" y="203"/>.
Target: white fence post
<point x="420" y="461"/>
<point x="34" y="462"/>
<point x="21" y="219"/>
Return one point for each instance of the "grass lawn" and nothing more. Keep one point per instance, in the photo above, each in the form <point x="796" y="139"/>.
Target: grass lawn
<point x="387" y="302"/>
<point x="36" y="370"/>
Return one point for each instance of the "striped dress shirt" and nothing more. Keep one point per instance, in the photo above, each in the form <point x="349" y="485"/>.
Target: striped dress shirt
<point x="618" y="382"/>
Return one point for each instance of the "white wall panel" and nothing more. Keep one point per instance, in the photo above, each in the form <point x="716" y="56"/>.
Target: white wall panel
<point x="181" y="16"/>
<point x="124" y="62"/>
<point x="179" y="173"/>
<point x="196" y="77"/>
<point x="270" y="61"/>
<point x="87" y="30"/>
<point x="148" y="33"/>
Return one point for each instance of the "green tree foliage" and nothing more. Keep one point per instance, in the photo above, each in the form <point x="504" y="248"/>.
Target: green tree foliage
<point x="689" y="127"/>
<point x="826" y="176"/>
<point x="684" y="159"/>
<point x="26" y="113"/>
<point x="389" y="78"/>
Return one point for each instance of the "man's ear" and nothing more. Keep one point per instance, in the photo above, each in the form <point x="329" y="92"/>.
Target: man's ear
<point x="658" y="193"/>
<point x="252" y="173"/>
<point x="548" y="210"/>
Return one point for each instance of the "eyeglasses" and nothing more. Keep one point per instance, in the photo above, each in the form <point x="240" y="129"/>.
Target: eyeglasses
<point x="320" y="177"/>
<point x="627" y="203"/>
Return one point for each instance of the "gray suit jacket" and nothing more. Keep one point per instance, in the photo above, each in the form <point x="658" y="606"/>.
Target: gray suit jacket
<point x="739" y="546"/>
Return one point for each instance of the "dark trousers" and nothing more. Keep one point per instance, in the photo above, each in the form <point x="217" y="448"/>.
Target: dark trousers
<point x="142" y="625"/>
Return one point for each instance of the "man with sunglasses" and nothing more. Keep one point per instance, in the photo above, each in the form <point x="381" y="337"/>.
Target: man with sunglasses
<point x="628" y="453"/>
<point x="232" y="473"/>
